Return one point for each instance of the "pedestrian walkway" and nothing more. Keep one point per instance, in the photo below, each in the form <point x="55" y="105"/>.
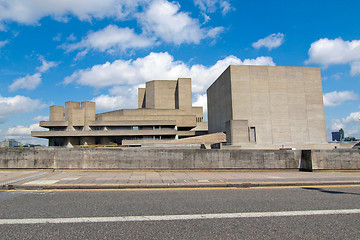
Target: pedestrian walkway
<point x="75" y="179"/>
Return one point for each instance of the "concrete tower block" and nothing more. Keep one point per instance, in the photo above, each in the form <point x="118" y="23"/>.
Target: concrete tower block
<point x="89" y="113"/>
<point x="281" y="104"/>
<point x="183" y="94"/>
<point x="160" y="94"/>
<point x="141" y="98"/>
<point x="150" y="95"/>
<point x="74" y="113"/>
<point x="56" y="113"/>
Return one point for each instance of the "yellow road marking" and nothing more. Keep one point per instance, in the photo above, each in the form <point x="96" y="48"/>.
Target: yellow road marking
<point x="195" y="188"/>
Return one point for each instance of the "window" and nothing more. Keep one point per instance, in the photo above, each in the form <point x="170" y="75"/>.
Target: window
<point x="252" y="134"/>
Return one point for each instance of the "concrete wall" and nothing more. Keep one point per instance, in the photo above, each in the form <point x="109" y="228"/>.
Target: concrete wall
<point x="284" y="104"/>
<point x="339" y="159"/>
<point x="56" y="113"/>
<point x="140" y="158"/>
<point x="137" y="158"/>
<point x="183" y="96"/>
<point x="141" y="97"/>
<point x="237" y="131"/>
<point x="219" y="103"/>
<point x="160" y="94"/>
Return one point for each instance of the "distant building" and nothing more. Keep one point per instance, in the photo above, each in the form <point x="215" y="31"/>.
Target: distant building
<point x="338" y="136"/>
<point x="10" y="143"/>
<point x="268" y="105"/>
<point x="350" y="139"/>
<point x="164" y="112"/>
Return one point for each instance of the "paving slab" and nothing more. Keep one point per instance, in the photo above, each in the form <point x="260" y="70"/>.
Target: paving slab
<point x="64" y="179"/>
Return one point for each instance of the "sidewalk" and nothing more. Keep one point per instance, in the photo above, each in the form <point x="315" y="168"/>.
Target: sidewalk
<point x="114" y="179"/>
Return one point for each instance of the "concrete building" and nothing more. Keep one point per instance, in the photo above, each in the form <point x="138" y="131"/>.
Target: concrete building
<point x="268" y="105"/>
<point x="164" y="112"/>
<point x="10" y="143"/>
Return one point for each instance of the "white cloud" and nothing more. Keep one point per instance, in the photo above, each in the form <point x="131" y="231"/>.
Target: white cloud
<point x="124" y="77"/>
<point x="41" y="118"/>
<point x="29" y="12"/>
<point x="3" y="43"/>
<point x="29" y="82"/>
<point x="211" y="6"/>
<point x="22" y="134"/>
<point x="214" y="32"/>
<point x="203" y="76"/>
<point x="164" y="19"/>
<point x="107" y="102"/>
<point x="120" y="97"/>
<point x="10" y="106"/>
<point x="355" y="68"/>
<point x="23" y="130"/>
<point x="226" y="7"/>
<point x="156" y="66"/>
<point x="71" y="38"/>
<point x="328" y="52"/>
<point x="201" y="101"/>
<point x="350" y="124"/>
<point x="335" y="98"/>
<point x="111" y="38"/>
<point x="57" y="38"/>
<point x="274" y="40"/>
<point x="45" y="65"/>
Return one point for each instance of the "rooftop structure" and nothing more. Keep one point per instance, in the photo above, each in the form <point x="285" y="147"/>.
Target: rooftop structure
<point x="268" y="105"/>
<point x="164" y="112"/>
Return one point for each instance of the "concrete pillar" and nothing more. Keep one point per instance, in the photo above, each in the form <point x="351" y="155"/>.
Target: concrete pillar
<point x="71" y="142"/>
<point x="67" y="143"/>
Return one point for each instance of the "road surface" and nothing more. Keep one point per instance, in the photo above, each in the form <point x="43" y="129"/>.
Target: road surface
<point x="255" y="213"/>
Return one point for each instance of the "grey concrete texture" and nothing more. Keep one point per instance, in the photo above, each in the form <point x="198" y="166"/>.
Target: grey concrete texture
<point x="282" y="104"/>
<point x="139" y="158"/>
<point x="112" y="179"/>
<point x="171" y="159"/>
<point x="335" y="159"/>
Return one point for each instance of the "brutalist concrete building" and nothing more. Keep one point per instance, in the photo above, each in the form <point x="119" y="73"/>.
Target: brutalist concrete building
<point x="164" y="112"/>
<point x="268" y="105"/>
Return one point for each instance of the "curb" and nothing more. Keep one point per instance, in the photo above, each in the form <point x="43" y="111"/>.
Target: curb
<point x="174" y="185"/>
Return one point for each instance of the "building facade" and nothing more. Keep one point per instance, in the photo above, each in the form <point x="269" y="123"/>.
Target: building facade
<point x="10" y="143"/>
<point x="267" y="105"/>
<point x="164" y="112"/>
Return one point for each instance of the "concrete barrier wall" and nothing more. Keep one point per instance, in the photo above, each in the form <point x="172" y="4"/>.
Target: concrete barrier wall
<point x="139" y="158"/>
<point x="339" y="159"/>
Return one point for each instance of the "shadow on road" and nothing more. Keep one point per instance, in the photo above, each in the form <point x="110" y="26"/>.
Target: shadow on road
<point x="329" y="191"/>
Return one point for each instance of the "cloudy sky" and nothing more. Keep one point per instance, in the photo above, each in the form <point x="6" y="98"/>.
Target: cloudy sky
<point x="54" y="51"/>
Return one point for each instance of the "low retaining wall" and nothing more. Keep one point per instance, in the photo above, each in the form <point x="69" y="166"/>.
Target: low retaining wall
<point x="140" y="158"/>
<point x="339" y="159"/>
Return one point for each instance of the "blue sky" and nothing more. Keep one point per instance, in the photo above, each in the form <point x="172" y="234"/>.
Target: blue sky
<point x="59" y="50"/>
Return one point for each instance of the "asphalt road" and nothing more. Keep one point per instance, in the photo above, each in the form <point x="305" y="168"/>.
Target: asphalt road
<point x="301" y="210"/>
